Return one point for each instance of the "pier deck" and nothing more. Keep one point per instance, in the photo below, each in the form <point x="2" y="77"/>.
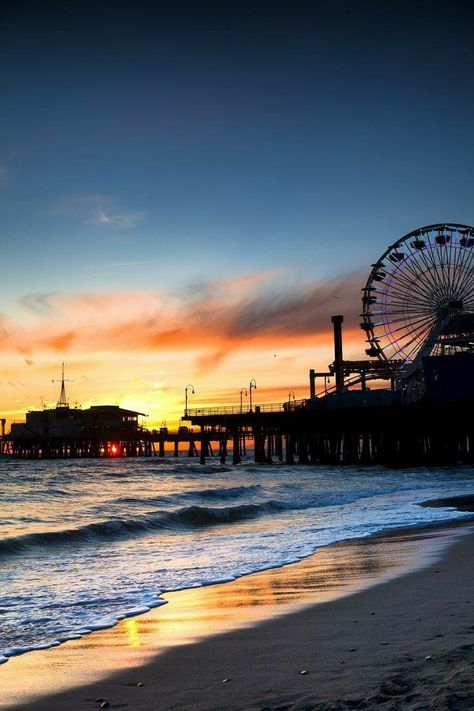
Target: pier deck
<point x="315" y="432"/>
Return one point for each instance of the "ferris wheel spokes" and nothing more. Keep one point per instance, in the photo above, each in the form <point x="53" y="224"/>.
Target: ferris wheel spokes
<point x="415" y="288"/>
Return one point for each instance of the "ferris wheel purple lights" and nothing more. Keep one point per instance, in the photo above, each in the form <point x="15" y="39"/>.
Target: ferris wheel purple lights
<point x="416" y="289"/>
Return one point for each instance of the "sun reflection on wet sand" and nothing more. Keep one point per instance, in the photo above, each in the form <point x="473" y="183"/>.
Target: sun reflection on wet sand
<point x="196" y="613"/>
<point x="132" y="629"/>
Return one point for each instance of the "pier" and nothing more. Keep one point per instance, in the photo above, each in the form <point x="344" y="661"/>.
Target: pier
<point x="139" y="442"/>
<point x="418" y="320"/>
<point x="315" y="433"/>
<point x="321" y="432"/>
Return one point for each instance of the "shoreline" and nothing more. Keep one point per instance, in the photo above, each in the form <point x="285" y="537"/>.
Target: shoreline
<point x="464" y="503"/>
<point x="240" y="615"/>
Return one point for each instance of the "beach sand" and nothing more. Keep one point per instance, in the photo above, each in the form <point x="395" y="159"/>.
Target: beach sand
<point x="406" y="642"/>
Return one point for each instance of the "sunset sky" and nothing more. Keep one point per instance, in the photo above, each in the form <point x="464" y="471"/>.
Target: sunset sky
<point x="189" y="190"/>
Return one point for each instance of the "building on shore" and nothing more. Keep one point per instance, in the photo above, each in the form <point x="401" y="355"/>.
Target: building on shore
<point x="99" y="430"/>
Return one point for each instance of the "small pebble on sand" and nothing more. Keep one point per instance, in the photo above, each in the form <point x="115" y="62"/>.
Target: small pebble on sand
<point x="303" y="672"/>
<point x="352" y="649"/>
<point x="371" y="613"/>
<point x="429" y="658"/>
<point x="140" y="683"/>
<point x="225" y="680"/>
<point x="104" y="705"/>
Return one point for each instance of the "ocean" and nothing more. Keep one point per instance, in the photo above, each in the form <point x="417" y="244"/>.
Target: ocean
<point x="86" y="543"/>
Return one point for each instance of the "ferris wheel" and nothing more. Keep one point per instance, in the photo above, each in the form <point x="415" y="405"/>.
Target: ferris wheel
<point x="416" y="290"/>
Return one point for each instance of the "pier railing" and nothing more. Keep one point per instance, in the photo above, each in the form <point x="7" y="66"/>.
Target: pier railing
<point x="287" y="406"/>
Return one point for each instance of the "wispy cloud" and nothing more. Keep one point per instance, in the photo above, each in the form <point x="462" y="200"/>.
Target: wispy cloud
<point x="127" y="264"/>
<point x="40" y="303"/>
<point x="250" y="313"/>
<point x="121" y="221"/>
<point x="98" y="209"/>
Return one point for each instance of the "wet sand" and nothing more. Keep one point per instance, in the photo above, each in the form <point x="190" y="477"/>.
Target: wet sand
<point x="354" y="616"/>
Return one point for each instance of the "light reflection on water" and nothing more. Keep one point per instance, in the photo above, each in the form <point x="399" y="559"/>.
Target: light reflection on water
<point x="194" y="614"/>
<point x="85" y="542"/>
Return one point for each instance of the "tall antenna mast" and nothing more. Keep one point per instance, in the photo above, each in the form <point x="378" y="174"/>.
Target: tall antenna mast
<point x="62" y="402"/>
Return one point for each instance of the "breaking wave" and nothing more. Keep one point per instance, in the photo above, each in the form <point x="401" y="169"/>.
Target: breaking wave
<point x="219" y="493"/>
<point x="189" y="517"/>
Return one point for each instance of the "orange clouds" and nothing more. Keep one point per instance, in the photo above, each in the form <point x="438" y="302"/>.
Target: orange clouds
<point x="211" y="320"/>
<point x="140" y="349"/>
<point x="61" y="342"/>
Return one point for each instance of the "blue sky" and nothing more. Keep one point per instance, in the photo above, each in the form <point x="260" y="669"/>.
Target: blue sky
<point x="220" y="140"/>
<point x="162" y="145"/>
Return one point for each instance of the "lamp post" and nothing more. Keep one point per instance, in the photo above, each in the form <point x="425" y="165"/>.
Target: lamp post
<point x="291" y="394"/>
<point x="253" y="385"/>
<point x="186" y="398"/>
<point x="242" y="392"/>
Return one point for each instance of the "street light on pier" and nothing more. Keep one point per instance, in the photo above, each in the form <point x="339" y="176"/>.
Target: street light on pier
<point x="291" y="396"/>
<point x="253" y="385"/>
<point x="186" y="398"/>
<point x="242" y="392"/>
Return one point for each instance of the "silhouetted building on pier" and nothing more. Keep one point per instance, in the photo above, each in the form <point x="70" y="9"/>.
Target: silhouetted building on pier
<point x="69" y="423"/>
<point x="100" y="430"/>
